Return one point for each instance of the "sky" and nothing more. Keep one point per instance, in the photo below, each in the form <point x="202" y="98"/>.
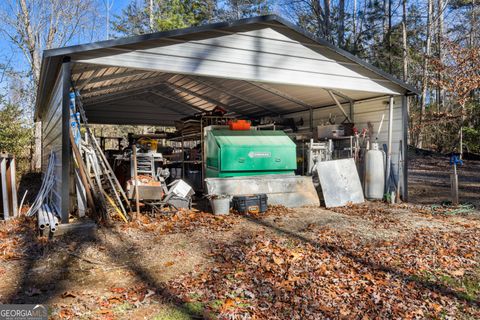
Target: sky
<point x="13" y="57"/>
<point x="6" y="54"/>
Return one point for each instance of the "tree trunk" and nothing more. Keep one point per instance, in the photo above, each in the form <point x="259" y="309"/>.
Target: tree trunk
<point x="405" y="56"/>
<point x="326" y="20"/>
<point x="150" y="12"/>
<point x="354" y="26"/>
<point x="385" y="18"/>
<point x="473" y="25"/>
<point x="440" y="92"/>
<point x="341" y="24"/>
<point x="31" y="40"/>
<point x="423" y="99"/>
<point x="389" y="33"/>
<point x="404" y="41"/>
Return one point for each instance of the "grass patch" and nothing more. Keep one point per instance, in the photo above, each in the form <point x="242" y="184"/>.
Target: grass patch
<point x="467" y="287"/>
<point x="123" y="307"/>
<point x="172" y="314"/>
<point x="216" y="304"/>
<point x="194" y="308"/>
<point x="189" y="310"/>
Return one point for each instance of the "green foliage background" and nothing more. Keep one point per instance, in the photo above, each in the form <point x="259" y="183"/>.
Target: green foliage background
<point x="15" y="134"/>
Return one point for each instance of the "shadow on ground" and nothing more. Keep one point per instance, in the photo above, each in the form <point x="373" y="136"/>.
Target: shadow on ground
<point x="43" y="289"/>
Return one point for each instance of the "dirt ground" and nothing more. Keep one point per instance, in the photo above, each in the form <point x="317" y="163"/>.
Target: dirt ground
<point x="429" y="179"/>
<point x="372" y="261"/>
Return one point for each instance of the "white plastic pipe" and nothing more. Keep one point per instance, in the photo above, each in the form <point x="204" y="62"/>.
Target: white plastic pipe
<point x="41" y="220"/>
<point x="47" y="184"/>
<point x="21" y="202"/>
<point x="50" y="217"/>
<point x="44" y="216"/>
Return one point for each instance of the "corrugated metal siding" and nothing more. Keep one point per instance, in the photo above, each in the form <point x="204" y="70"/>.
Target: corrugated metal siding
<point x="321" y="116"/>
<point x="263" y="55"/>
<point x="364" y="112"/>
<point x="52" y="137"/>
<point x="372" y="111"/>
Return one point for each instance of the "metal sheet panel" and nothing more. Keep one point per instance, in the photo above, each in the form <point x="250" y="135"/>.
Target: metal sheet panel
<point x="264" y="55"/>
<point x="253" y="42"/>
<point x="340" y="182"/>
<point x="373" y="111"/>
<point x="52" y="137"/>
<point x="191" y="94"/>
<point x="246" y="70"/>
<point x="289" y="191"/>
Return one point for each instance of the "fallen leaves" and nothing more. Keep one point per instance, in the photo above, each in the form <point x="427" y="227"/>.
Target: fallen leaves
<point x="317" y="272"/>
<point x="381" y="215"/>
<point x="66" y="313"/>
<point x="168" y="264"/>
<point x="15" y="234"/>
<point x="458" y="272"/>
<point x="182" y="221"/>
<point x="338" y="276"/>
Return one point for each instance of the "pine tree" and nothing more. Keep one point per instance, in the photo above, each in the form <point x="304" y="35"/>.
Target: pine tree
<point x="161" y="15"/>
<point x="15" y="134"/>
<point x="239" y="9"/>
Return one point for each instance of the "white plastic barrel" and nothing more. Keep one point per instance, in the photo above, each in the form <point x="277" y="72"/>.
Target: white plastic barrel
<point x="374" y="173"/>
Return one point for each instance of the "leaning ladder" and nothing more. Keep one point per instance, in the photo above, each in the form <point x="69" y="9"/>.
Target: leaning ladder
<point x="101" y="160"/>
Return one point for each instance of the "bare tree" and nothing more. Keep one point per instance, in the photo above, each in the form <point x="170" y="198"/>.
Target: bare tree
<point x="404" y="42"/>
<point x="354" y="21"/>
<point x="460" y="77"/>
<point x="428" y="42"/>
<point x="33" y="26"/>
<point x="341" y="24"/>
<point x="441" y="4"/>
<point x="326" y="4"/>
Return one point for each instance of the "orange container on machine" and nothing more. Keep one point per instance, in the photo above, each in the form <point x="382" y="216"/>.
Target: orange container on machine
<point x="239" y="125"/>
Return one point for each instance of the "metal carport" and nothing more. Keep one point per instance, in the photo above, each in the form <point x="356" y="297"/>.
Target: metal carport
<point x="262" y="66"/>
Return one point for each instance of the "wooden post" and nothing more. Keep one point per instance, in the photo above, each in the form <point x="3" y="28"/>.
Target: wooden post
<point x="454" y="185"/>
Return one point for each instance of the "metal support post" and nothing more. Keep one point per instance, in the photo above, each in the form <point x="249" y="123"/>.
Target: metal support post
<point x="389" y="144"/>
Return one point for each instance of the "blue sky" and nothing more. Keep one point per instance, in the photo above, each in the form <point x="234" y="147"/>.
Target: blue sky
<point x="10" y="54"/>
<point x="13" y="57"/>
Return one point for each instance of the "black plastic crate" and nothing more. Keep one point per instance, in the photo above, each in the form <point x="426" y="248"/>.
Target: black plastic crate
<point x="251" y="203"/>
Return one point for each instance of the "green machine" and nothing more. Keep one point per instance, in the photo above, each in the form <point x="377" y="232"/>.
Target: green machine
<point x="232" y="153"/>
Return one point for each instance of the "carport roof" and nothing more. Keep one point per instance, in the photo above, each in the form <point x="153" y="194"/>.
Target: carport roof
<point x="113" y="75"/>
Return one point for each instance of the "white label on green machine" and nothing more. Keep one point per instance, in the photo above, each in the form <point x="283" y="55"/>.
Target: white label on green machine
<point x="253" y="154"/>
